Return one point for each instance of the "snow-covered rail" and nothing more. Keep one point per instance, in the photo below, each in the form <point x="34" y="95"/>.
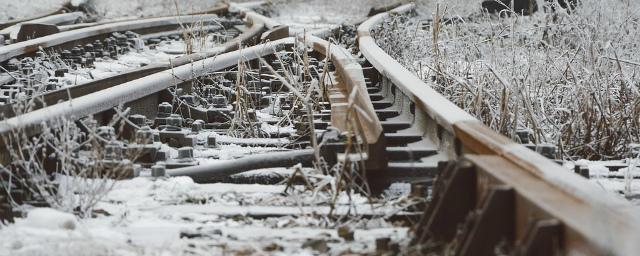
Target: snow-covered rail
<point x="280" y="99"/>
<point x="69" y="39"/>
<point x="493" y="194"/>
<point x="290" y="99"/>
<point x="247" y="36"/>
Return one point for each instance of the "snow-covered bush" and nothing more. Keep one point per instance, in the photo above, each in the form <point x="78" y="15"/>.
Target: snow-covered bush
<point x="68" y="166"/>
<point x="571" y="79"/>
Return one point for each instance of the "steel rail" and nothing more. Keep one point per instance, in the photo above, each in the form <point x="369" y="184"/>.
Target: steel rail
<point x="222" y="169"/>
<point x="106" y="99"/>
<point x="90" y="34"/>
<point x="348" y="74"/>
<point x="594" y="222"/>
<point x="218" y="9"/>
<point x="248" y="37"/>
<point x="350" y="93"/>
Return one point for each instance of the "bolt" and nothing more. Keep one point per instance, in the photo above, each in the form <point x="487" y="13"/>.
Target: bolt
<point x="418" y="190"/>
<point x="154" y="41"/>
<point x="382" y="244"/>
<point x="158" y="171"/>
<point x="189" y="99"/>
<point x="197" y="125"/>
<point x="110" y="42"/>
<point x="251" y="115"/>
<point x="113" y="151"/>
<point x="76" y="52"/>
<point x="106" y="132"/>
<point x="130" y="34"/>
<point x="40" y="55"/>
<point x="523" y="135"/>
<point x="89" y="48"/>
<point x="138" y="120"/>
<point x="582" y="171"/>
<point x="61" y="72"/>
<point x="144" y="135"/>
<point x="211" y="141"/>
<point x="98" y="46"/>
<point x="219" y="101"/>
<point x="165" y="109"/>
<point x="185" y="153"/>
<point x="174" y="120"/>
<point x="547" y="150"/>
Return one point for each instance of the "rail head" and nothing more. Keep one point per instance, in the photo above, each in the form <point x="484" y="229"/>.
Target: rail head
<point x="63" y="94"/>
<point x="247" y="10"/>
<point x="30" y="46"/>
<point x="106" y="99"/>
<point x="350" y="76"/>
<point x="423" y="95"/>
<point x="477" y="138"/>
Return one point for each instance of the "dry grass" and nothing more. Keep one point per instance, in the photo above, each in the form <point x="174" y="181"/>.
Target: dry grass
<point x="570" y="79"/>
<point x="68" y="166"/>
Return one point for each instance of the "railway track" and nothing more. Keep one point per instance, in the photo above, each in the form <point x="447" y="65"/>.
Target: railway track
<point x="296" y="100"/>
<point x="492" y="192"/>
<point x="106" y="45"/>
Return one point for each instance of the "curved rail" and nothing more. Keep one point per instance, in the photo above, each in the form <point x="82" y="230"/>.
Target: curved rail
<point x="97" y="102"/>
<point x="90" y="34"/>
<point x="350" y="93"/>
<point x="50" y="98"/>
<point x="593" y="223"/>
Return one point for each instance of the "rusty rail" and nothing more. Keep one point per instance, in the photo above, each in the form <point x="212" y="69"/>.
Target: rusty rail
<point x="90" y="104"/>
<point x="511" y="191"/>
<point x="90" y="34"/>
<point x="349" y="94"/>
<point x="249" y="37"/>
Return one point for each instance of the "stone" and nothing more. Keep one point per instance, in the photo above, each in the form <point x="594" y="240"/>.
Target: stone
<point x="317" y="245"/>
<point x="346" y="233"/>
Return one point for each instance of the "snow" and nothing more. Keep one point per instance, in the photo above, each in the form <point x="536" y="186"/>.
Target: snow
<point x="483" y="62"/>
<point x="148" y="8"/>
<point x="12" y="10"/>
<point x="613" y="182"/>
<point x="47" y="218"/>
<point x="145" y="216"/>
<point x="303" y="16"/>
<point x="471" y="51"/>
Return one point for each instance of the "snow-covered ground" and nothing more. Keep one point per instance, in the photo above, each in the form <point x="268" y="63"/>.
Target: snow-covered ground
<point x="623" y="182"/>
<point x="12" y="10"/>
<point x="107" y="9"/>
<point x="175" y="216"/>
<point x="321" y="14"/>
<point x="149" y="8"/>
